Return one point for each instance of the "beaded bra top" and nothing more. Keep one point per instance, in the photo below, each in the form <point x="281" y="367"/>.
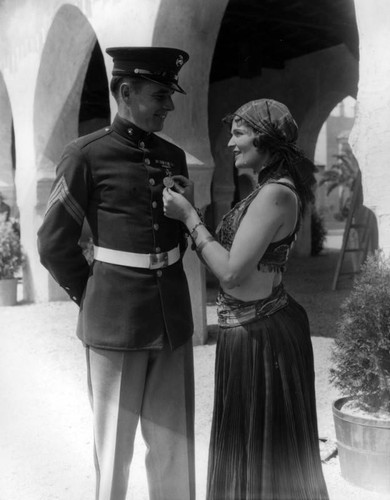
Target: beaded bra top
<point x="276" y="255"/>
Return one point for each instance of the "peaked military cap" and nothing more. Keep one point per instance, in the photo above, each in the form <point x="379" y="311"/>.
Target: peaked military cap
<point x="157" y="64"/>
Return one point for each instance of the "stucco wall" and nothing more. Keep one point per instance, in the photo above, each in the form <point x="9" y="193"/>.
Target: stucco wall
<point x="6" y="164"/>
<point x="370" y="137"/>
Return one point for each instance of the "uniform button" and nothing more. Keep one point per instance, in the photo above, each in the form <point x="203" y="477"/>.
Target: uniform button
<point x="152" y="182"/>
<point x="147" y="161"/>
<point x="130" y="131"/>
<point x="154" y="204"/>
<point x="74" y="298"/>
<point x="107" y="129"/>
<point x="158" y="249"/>
<point x="142" y="144"/>
<point x="159" y="273"/>
<point x="156" y="227"/>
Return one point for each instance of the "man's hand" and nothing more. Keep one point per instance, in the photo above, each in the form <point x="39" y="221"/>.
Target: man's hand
<point x="184" y="186"/>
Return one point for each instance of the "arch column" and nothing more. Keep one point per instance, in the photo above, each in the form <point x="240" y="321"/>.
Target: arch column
<point x="370" y="136"/>
<point x="56" y="115"/>
<point x="7" y="187"/>
<point x="193" y="26"/>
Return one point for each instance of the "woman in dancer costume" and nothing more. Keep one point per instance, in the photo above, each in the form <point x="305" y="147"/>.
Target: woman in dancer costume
<point x="264" y="440"/>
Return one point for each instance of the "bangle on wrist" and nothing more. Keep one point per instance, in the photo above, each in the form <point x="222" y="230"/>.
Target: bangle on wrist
<point x="200" y="223"/>
<point x="199" y="248"/>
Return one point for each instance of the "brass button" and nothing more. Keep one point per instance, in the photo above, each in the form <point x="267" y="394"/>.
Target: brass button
<point x="159" y="273"/>
<point x="154" y="204"/>
<point x="156" y="227"/>
<point x="147" y="161"/>
<point x="142" y="144"/>
<point x="152" y="182"/>
<point x="158" y="249"/>
<point x="130" y="131"/>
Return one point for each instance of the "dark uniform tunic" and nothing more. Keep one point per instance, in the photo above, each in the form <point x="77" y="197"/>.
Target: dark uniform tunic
<point x="114" y="178"/>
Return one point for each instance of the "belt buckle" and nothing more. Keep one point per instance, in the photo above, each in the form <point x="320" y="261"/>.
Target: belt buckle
<point x="158" y="260"/>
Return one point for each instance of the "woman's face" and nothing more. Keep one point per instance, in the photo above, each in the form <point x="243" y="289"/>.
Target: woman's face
<point x="246" y="155"/>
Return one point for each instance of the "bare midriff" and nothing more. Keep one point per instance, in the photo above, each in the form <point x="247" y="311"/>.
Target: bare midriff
<point x="258" y="285"/>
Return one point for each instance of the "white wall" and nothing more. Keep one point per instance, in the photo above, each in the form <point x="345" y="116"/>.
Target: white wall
<point x="370" y="137"/>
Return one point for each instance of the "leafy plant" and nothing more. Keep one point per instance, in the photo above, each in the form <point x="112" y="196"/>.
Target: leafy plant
<point x="342" y="175"/>
<point x="361" y="354"/>
<point x="11" y="254"/>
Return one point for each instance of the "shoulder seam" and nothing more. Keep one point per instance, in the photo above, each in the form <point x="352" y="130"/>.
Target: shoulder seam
<point x="98" y="134"/>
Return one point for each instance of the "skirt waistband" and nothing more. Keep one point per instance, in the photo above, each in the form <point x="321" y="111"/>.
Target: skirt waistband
<point x="235" y="312"/>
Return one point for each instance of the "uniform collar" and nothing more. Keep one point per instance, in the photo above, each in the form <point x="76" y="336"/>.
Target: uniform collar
<point x="129" y="130"/>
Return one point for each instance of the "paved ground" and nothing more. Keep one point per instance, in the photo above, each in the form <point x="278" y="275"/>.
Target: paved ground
<point x="45" y="419"/>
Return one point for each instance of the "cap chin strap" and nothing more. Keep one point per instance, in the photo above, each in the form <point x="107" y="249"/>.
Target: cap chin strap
<point x="172" y="86"/>
<point x="139" y="71"/>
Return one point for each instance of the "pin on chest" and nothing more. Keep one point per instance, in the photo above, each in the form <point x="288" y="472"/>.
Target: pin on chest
<point x="167" y="180"/>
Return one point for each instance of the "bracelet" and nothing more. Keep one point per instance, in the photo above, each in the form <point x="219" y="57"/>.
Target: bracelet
<point x="201" y="218"/>
<point x="200" y="223"/>
<point x="203" y="243"/>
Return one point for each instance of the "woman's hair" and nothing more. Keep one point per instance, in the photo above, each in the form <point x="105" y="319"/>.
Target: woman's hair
<point x="277" y="132"/>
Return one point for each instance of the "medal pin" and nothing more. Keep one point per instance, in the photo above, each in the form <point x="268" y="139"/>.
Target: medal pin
<point x="168" y="181"/>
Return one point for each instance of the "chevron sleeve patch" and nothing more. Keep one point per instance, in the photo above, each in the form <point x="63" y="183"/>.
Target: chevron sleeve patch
<point x="61" y="194"/>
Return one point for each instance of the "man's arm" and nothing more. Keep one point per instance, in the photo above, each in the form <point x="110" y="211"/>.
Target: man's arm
<point x="58" y="237"/>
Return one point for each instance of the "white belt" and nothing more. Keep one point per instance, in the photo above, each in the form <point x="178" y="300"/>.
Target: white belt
<point x="131" y="259"/>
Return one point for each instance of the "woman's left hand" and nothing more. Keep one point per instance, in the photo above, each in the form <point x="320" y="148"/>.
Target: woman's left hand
<point x="175" y="205"/>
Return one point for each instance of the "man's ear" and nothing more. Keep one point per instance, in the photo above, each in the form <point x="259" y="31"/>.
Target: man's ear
<point x="125" y="91"/>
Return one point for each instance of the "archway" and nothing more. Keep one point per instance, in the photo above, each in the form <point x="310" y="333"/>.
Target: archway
<point x="303" y="55"/>
<point x="7" y="147"/>
<point x="337" y="170"/>
<point x="56" y="113"/>
<point x="60" y="102"/>
<point x="94" y="102"/>
<point x="333" y="141"/>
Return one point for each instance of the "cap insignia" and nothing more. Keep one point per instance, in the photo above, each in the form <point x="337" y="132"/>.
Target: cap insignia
<point x="179" y="61"/>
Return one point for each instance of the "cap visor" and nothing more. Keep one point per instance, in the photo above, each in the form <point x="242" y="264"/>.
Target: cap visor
<point x="173" y="86"/>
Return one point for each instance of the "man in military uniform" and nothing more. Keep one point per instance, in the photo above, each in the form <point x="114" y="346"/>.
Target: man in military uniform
<point x="135" y="315"/>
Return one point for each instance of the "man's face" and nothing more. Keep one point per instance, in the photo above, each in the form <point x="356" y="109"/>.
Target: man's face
<point x="149" y="105"/>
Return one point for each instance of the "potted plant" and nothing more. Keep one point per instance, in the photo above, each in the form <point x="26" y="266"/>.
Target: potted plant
<point x="11" y="260"/>
<point x="361" y="371"/>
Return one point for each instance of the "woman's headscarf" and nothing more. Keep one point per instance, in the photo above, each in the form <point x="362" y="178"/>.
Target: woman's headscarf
<point x="274" y="122"/>
<point x="271" y="118"/>
<point x="278" y="132"/>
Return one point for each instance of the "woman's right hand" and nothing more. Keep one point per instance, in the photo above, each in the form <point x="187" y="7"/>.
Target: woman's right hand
<point x="176" y="206"/>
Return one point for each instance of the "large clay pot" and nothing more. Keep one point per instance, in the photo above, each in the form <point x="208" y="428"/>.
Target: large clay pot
<point x="364" y="448"/>
<point x="8" y="292"/>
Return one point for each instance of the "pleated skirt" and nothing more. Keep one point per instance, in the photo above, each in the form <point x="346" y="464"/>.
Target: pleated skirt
<point x="264" y="440"/>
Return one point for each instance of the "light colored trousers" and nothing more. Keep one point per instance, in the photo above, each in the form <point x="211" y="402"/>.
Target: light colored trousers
<point x="157" y="389"/>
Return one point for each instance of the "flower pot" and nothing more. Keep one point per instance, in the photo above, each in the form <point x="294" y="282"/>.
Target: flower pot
<point x="8" y="292"/>
<point x="364" y="448"/>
